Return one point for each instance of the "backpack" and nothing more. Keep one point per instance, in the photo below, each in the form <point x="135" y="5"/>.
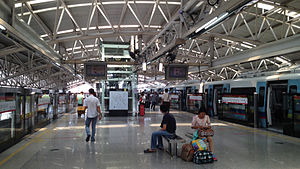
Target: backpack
<point x="187" y="152"/>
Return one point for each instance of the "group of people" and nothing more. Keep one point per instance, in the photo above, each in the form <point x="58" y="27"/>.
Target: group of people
<point x="145" y="98"/>
<point x="167" y="127"/>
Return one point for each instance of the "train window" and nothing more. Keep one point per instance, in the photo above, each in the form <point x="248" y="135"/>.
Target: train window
<point x="243" y="90"/>
<point x="261" y="96"/>
<point x="293" y="89"/>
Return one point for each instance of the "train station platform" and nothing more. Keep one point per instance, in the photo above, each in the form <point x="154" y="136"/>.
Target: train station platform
<point x="120" y="142"/>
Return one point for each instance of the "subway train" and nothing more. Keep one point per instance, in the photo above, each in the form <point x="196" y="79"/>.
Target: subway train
<point x="278" y="99"/>
<point x="22" y="111"/>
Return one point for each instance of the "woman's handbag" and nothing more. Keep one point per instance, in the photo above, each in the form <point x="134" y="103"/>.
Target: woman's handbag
<point x="206" y="132"/>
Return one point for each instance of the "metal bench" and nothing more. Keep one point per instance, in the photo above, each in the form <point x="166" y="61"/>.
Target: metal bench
<point x="172" y="144"/>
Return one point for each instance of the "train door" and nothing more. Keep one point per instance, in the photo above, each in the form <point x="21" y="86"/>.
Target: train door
<point x="210" y="100"/>
<point x="216" y="97"/>
<point x="261" y="88"/>
<point x="275" y="101"/>
<point x="292" y="117"/>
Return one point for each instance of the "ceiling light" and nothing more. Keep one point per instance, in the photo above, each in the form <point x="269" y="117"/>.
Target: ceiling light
<point x="213" y="22"/>
<point x="2" y="27"/>
<point x="160" y="67"/>
<point x="144" y="66"/>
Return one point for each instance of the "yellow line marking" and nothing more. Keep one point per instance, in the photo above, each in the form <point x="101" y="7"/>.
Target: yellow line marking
<point x="22" y="148"/>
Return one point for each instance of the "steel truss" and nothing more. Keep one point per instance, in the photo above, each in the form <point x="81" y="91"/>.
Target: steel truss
<point x="251" y="27"/>
<point x="259" y="26"/>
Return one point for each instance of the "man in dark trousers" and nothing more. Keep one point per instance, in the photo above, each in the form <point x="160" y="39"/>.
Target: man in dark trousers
<point x="168" y="128"/>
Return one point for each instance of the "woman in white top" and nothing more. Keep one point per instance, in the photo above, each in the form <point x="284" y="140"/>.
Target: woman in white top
<point x="202" y="121"/>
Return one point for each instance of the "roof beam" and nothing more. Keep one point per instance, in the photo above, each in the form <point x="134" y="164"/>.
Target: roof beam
<point x="70" y="15"/>
<point x="152" y="13"/>
<point x="10" y="50"/>
<point x="91" y="15"/>
<point x="102" y="35"/>
<point x="225" y="7"/>
<point x="277" y="48"/>
<point x="122" y="14"/>
<point x="26" y="72"/>
<point x="104" y="14"/>
<point x="39" y="21"/>
<point x="188" y="5"/>
<point x="136" y="17"/>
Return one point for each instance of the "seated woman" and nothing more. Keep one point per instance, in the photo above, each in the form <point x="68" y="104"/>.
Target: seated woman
<point x="200" y="122"/>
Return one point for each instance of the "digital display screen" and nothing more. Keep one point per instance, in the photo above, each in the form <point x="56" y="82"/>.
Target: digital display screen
<point x="177" y="72"/>
<point x="95" y="70"/>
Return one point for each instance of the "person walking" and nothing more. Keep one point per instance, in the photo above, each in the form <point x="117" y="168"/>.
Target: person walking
<point x="166" y="99"/>
<point x="142" y="104"/>
<point x="92" y="104"/>
<point x="153" y="101"/>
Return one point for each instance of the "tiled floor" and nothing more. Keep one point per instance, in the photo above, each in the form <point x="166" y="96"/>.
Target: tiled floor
<point x="120" y="142"/>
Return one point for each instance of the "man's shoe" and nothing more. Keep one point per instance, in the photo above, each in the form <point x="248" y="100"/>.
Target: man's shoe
<point x="93" y="140"/>
<point x="88" y="138"/>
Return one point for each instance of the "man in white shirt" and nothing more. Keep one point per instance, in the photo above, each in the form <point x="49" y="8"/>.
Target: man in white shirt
<point x="92" y="105"/>
<point x="166" y="99"/>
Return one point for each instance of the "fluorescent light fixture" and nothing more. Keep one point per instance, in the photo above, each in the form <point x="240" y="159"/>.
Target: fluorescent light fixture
<point x="144" y="66"/>
<point x="160" y="67"/>
<point x="205" y="25"/>
<point x="212" y="22"/>
<point x="2" y="27"/>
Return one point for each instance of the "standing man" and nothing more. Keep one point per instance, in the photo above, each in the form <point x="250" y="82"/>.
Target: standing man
<point x="92" y="104"/>
<point x="166" y="99"/>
